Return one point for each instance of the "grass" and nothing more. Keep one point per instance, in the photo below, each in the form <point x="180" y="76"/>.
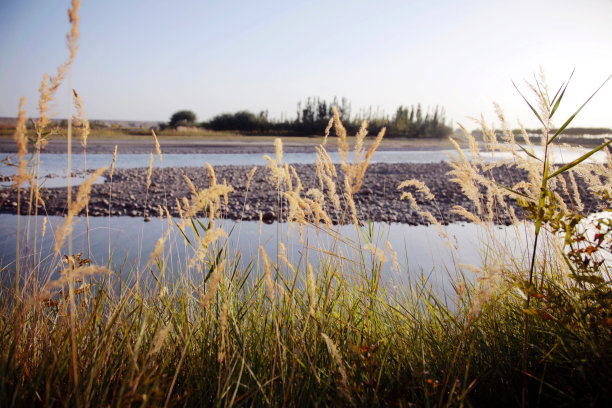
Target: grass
<point x="322" y="328"/>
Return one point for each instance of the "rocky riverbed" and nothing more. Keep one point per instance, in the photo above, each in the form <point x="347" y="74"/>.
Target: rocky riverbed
<point x="377" y="200"/>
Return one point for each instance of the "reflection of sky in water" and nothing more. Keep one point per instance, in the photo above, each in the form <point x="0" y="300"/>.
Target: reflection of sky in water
<point x="420" y="249"/>
<point x="54" y="165"/>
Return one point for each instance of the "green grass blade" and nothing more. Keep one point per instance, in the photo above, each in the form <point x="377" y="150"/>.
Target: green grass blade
<point x="513" y="191"/>
<point x="561" y="92"/>
<point x="535" y="112"/>
<point x="578" y="160"/>
<point x="571" y="118"/>
<point x="528" y="153"/>
<point x="183" y="233"/>
<point x="562" y="87"/>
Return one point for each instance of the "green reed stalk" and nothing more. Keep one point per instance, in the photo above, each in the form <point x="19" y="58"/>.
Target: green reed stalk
<point x="549" y="107"/>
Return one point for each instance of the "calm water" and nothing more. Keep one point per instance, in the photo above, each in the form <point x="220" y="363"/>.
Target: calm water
<point x="420" y="249"/>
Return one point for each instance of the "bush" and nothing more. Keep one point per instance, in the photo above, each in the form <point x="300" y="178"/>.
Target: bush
<point x="182" y="118"/>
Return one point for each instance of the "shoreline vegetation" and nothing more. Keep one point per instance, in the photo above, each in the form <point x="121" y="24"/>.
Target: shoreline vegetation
<point x="321" y="327"/>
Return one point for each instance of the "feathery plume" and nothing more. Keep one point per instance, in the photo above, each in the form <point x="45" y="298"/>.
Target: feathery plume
<point x="278" y="148"/>
<point x="22" y="144"/>
<point x="267" y="272"/>
<point x="327" y="129"/>
<point x="250" y="177"/>
<point x="150" y="170"/>
<point x="80" y="120"/>
<point x="112" y="166"/>
<point x="333" y="351"/>
<point x="82" y="199"/>
<point x="43" y="228"/>
<point x="157" y="147"/>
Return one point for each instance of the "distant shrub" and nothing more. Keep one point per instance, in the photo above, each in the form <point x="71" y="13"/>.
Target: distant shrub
<point x="182" y="118"/>
<point x="241" y="120"/>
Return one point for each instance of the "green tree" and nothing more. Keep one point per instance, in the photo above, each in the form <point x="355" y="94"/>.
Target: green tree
<point x="182" y="118"/>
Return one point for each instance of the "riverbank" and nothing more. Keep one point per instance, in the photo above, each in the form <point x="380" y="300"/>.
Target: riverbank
<point x="377" y="200"/>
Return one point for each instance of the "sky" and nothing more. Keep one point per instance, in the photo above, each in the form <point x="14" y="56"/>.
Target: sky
<point x="144" y="60"/>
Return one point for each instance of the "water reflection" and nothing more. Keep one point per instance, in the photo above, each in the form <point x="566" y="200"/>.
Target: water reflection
<point x="420" y="249"/>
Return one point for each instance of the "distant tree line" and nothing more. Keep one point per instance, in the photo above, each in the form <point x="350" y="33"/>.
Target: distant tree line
<point x="313" y="115"/>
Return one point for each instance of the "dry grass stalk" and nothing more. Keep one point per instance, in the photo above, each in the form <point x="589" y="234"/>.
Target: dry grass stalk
<point x="394" y="257"/>
<point x="212" y="235"/>
<point x="298" y="186"/>
<point x="288" y="177"/>
<point x="488" y="283"/>
<point x="159" y="339"/>
<point x="158" y="249"/>
<point x="420" y="187"/>
<point x="377" y="252"/>
<point x="425" y="214"/>
<point x="267" y="272"/>
<point x="326" y="160"/>
<point x="168" y="216"/>
<point x="278" y="150"/>
<point x="112" y="166"/>
<point x="179" y="210"/>
<point x="312" y="291"/>
<point x="464" y="175"/>
<point x="209" y="198"/>
<point x="157" y="147"/>
<point x="363" y="166"/>
<point x="43" y="228"/>
<point x="333" y="351"/>
<point x="68" y="275"/>
<point x="22" y="145"/>
<point x="82" y="199"/>
<point x="250" y="177"/>
<point x="49" y="86"/>
<point x="80" y="120"/>
<point x="150" y="170"/>
<point x="223" y="326"/>
<point x="462" y="211"/>
<point x="211" y="173"/>
<point x="351" y="204"/>
<point x="190" y="184"/>
<point x="213" y="285"/>
<point x="343" y="147"/>
<point x="327" y="129"/>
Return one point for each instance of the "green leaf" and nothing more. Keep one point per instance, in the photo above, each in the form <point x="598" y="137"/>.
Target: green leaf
<point x="532" y="108"/>
<point x="513" y="191"/>
<point x="561" y="90"/>
<point x="578" y="160"/>
<point x="533" y="156"/>
<point x="571" y="118"/>
<point x="183" y="233"/>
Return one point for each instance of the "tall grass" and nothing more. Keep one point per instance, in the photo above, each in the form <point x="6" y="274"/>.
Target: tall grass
<point x="323" y="327"/>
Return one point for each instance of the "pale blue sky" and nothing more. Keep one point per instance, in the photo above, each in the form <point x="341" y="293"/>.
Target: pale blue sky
<point x="144" y="60"/>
